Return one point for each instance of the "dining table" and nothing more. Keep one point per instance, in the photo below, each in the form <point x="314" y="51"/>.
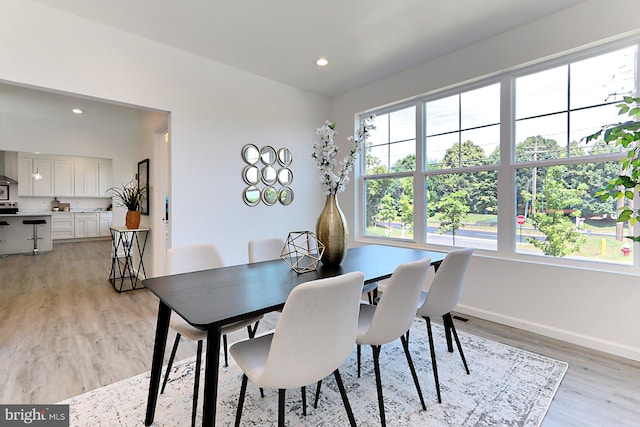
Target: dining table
<point x="210" y="299"/>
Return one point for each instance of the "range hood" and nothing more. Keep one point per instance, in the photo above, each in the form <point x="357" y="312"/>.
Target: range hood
<point x="3" y="178"/>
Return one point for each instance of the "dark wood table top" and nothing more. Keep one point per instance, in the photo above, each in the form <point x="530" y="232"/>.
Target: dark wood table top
<point x="216" y="297"/>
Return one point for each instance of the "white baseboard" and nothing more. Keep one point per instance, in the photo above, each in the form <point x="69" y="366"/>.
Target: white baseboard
<point x="553" y="332"/>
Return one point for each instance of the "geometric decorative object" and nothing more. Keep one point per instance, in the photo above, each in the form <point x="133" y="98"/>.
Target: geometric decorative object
<point x="302" y="251"/>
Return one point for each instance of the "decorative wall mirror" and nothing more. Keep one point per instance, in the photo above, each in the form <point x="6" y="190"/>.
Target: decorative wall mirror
<point x="266" y="166"/>
<point x="268" y="155"/>
<point x="285" y="176"/>
<point x="286" y="196"/>
<point x="284" y="157"/>
<point x="269" y="175"/>
<point x="250" y="154"/>
<point x="270" y="196"/>
<point x="251" y="195"/>
<point x="251" y="174"/>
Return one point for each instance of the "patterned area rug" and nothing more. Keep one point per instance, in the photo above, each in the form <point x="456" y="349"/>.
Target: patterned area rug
<point x="507" y="387"/>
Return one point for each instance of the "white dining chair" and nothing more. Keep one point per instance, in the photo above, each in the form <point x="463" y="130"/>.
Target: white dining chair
<point x="391" y="318"/>
<point x="265" y="249"/>
<point x="184" y="259"/>
<point x="313" y="337"/>
<point x="443" y="295"/>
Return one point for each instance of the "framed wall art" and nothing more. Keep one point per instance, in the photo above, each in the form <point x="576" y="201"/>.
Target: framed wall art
<point x="143" y="182"/>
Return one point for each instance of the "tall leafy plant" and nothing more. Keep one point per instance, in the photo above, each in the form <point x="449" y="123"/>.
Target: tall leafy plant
<point x="627" y="136"/>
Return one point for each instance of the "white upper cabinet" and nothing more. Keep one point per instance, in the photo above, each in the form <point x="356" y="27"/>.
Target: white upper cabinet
<point x="43" y="186"/>
<point x="28" y="185"/>
<point x="63" y="176"/>
<point x="25" y="178"/>
<point x="104" y="179"/>
<point x="86" y="179"/>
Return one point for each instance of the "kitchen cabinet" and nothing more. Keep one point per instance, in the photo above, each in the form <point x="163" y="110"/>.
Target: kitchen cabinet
<point x="104" y="179"/>
<point x="86" y="179"/>
<point x="105" y="223"/>
<point x="25" y="180"/>
<point x="62" y="225"/>
<point x="27" y="184"/>
<point x="63" y="178"/>
<point x="87" y="225"/>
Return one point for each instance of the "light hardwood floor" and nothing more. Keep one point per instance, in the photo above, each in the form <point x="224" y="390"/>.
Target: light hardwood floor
<point x="66" y="331"/>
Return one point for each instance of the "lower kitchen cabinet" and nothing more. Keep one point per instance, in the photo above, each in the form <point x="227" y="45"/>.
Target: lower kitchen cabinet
<point x="87" y="225"/>
<point x="80" y="225"/>
<point x="105" y="224"/>
<point x="62" y="226"/>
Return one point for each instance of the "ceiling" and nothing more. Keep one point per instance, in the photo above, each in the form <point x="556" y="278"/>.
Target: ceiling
<point x="364" y="40"/>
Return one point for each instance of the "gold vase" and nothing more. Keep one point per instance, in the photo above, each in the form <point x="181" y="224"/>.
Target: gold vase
<point x="332" y="230"/>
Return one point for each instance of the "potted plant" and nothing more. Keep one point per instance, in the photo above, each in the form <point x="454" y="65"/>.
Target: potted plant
<point x="627" y="136"/>
<point x="130" y="196"/>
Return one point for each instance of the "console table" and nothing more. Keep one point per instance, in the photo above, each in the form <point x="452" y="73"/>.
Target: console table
<point x="122" y="261"/>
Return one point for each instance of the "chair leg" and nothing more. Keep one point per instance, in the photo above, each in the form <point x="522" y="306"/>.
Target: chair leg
<point x="433" y="358"/>
<point x="359" y="353"/>
<point x="243" y="391"/>
<point x="252" y="331"/>
<point x="447" y="333"/>
<point x="196" y="384"/>
<point x="226" y="356"/>
<point x="345" y="399"/>
<point x="455" y="335"/>
<point x="303" y="390"/>
<point x="405" y="345"/>
<point x="376" y="366"/>
<point x="315" y="403"/>
<point x="173" y="355"/>
<point x="281" y="397"/>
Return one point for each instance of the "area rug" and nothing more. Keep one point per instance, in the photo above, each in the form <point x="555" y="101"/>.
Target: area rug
<point x="507" y="387"/>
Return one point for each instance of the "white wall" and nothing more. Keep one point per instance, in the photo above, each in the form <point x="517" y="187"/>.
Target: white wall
<point x="594" y="309"/>
<point x="215" y="110"/>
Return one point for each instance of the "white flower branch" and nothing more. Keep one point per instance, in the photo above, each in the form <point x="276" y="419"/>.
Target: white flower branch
<point x="326" y="150"/>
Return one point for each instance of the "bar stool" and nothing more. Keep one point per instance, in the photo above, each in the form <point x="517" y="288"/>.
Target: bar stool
<point x="3" y="224"/>
<point x="35" y="223"/>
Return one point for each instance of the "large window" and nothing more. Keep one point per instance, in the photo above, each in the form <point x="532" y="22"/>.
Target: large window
<point x="390" y="161"/>
<point x="462" y="137"/>
<point x="448" y="153"/>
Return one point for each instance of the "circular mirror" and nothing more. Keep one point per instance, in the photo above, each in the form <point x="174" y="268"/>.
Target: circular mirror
<point x="269" y="196"/>
<point x="250" y="154"/>
<point x="285" y="176"/>
<point x="286" y="196"/>
<point x="251" y="175"/>
<point x="285" y="157"/>
<point x="268" y="155"/>
<point x="251" y="195"/>
<point x="269" y="175"/>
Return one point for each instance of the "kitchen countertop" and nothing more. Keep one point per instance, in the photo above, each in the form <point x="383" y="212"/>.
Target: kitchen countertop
<point x="48" y="213"/>
<point x="28" y="214"/>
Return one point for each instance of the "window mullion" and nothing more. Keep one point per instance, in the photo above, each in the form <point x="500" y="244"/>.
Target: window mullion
<point x="506" y="171"/>
<point x="419" y="191"/>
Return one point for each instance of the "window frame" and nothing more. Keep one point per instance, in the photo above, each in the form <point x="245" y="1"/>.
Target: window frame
<point x="506" y="168"/>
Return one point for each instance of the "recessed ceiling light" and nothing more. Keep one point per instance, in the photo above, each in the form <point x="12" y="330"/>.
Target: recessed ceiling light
<point x="322" y="62"/>
<point x="77" y="111"/>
